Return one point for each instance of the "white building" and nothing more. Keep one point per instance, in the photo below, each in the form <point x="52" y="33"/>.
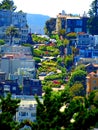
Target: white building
<point x="27" y="108"/>
<point x="11" y="65"/>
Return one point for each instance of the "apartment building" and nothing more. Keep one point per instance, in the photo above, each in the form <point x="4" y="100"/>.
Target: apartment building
<point x="71" y="23"/>
<point x="17" y="19"/>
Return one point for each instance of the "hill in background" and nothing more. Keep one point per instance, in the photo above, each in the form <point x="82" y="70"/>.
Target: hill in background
<point x="36" y="22"/>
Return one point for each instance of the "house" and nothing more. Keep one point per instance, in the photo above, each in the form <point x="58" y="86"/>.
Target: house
<point x="85" y="40"/>
<point x="91" y="67"/>
<point x="71" y="23"/>
<point x="17" y="19"/>
<point x="9" y="86"/>
<point x="32" y="86"/>
<point x="27" y="108"/>
<point x="11" y="65"/>
<point x="91" y="82"/>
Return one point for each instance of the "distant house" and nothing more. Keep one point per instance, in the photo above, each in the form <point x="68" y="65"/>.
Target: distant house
<point x="91" y="82"/>
<point x="32" y="87"/>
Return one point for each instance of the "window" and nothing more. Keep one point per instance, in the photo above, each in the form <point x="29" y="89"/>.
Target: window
<point x="6" y="87"/>
<point x="33" y="114"/>
<point x="78" y="30"/>
<point x="23" y="113"/>
<point x="79" y="23"/>
<point x="14" y="87"/>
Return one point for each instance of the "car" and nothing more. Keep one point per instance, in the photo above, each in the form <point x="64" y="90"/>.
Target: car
<point x="42" y="74"/>
<point x="50" y="73"/>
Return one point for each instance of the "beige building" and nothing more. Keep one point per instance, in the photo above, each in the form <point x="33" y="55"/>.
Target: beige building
<point x="92" y="82"/>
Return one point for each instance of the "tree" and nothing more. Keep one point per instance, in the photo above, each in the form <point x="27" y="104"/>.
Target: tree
<point x="59" y="110"/>
<point x="92" y="10"/>
<point x="78" y="75"/>
<point x="80" y="67"/>
<point x="8" y="106"/>
<point x="2" y="42"/>
<point x="77" y="89"/>
<point x="71" y="35"/>
<point x="62" y="32"/>
<point x="48" y="111"/>
<point x="8" y="4"/>
<point x="50" y="26"/>
<point x="68" y="61"/>
<point x="11" y="32"/>
<point x="93" y="20"/>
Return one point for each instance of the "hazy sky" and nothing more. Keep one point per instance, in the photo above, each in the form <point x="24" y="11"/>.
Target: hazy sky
<point x="53" y="7"/>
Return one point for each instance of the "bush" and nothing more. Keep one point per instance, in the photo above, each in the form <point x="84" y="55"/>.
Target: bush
<point x="37" y="59"/>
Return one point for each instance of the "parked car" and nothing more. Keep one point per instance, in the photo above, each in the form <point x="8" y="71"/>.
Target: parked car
<point x="50" y="73"/>
<point x="42" y="74"/>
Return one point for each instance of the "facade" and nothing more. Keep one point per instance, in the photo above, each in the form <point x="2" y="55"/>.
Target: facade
<point x="71" y="23"/>
<point x="27" y="108"/>
<point x="9" y="86"/>
<point x="92" y="82"/>
<point x="85" y="40"/>
<point x="88" y="53"/>
<point x="17" y="19"/>
<point x="32" y="87"/>
<point x="16" y="49"/>
<point x="17" y="59"/>
<point x="5" y="18"/>
<point x="10" y="65"/>
<point x="2" y="76"/>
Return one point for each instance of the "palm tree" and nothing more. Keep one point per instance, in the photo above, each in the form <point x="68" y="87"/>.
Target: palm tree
<point x="11" y="32"/>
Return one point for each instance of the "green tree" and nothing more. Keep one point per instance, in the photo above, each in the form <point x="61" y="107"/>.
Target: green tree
<point x="62" y="32"/>
<point x="92" y="10"/>
<point x="93" y="26"/>
<point x="77" y="89"/>
<point x="48" y="111"/>
<point x="80" y="67"/>
<point x="11" y="32"/>
<point x="93" y="20"/>
<point x="78" y="75"/>
<point x="8" y="106"/>
<point x="71" y="35"/>
<point x="8" y="4"/>
<point x="2" y="42"/>
<point x="50" y="26"/>
<point x="68" y="61"/>
<point x="59" y="110"/>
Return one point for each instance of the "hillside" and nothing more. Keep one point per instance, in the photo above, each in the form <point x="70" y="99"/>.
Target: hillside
<point x="37" y="22"/>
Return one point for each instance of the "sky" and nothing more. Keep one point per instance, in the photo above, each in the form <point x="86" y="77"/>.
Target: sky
<point x="53" y="7"/>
